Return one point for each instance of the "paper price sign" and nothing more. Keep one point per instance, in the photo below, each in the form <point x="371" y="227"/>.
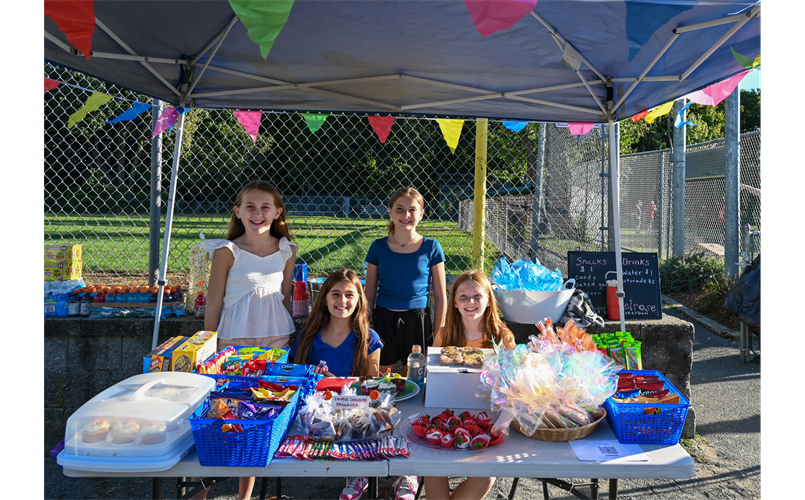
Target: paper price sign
<point x="350" y="402"/>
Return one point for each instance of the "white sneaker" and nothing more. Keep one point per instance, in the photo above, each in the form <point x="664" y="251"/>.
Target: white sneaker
<point x="405" y="487"/>
<point x="354" y="488"/>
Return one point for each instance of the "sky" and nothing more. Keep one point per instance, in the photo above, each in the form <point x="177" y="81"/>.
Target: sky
<point x="751" y="81"/>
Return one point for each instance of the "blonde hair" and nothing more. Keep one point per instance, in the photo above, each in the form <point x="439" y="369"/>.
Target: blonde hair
<point x="320" y="316"/>
<point x="492" y="327"/>
<point x="279" y="227"/>
<point x="396" y="195"/>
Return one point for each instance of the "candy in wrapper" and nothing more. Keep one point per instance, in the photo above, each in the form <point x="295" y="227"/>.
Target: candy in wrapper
<point x="255" y="411"/>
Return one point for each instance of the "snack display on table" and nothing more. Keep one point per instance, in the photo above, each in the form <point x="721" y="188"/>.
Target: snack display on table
<point x="451" y="431"/>
<point x="558" y="381"/>
<point x="646" y="408"/>
<point x="241" y="361"/>
<point x="139" y="424"/>
<point x="367" y="449"/>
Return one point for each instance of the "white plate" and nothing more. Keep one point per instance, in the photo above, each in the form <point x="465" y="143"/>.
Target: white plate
<point x="411" y="390"/>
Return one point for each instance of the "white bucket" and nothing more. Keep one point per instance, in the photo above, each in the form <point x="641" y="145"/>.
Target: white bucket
<point x="521" y="306"/>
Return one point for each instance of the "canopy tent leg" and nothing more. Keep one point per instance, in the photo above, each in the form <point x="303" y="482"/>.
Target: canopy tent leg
<point x="177" y="149"/>
<point x="614" y="156"/>
<point x="479" y="205"/>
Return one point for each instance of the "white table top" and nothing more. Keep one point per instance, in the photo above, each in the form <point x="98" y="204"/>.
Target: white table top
<point x="518" y="456"/>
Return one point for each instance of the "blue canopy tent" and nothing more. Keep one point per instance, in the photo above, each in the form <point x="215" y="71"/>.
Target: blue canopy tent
<point x="595" y="61"/>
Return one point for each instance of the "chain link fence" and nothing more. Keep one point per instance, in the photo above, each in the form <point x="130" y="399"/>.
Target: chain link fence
<point x="336" y="183"/>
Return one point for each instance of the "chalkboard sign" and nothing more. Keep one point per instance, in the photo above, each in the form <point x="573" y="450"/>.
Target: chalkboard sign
<point x="641" y="281"/>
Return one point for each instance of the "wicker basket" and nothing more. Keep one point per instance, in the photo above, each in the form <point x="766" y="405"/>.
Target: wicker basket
<point x="558" y="435"/>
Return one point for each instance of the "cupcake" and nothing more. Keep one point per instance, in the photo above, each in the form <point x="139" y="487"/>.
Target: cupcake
<point x="125" y="431"/>
<point x="368" y="386"/>
<point x="153" y="433"/>
<point x="95" y="431"/>
<point x="387" y="388"/>
<point x="399" y="382"/>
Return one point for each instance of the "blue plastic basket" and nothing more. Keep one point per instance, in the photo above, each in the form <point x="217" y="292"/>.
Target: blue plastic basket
<point x="254" y="447"/>
<point x="647" y="423"/>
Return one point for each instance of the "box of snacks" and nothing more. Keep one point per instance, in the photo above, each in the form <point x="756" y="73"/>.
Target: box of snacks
<point x="646" y="409"/>
<point x="139" y="424"/>
<point x="194" y="351"/>
<point x="452" y="377"/>
<point x="161" y="358"/>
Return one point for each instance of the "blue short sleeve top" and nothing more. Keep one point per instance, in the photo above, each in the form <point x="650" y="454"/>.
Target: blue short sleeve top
<point x="339" y="359"/>
<point x="404" y="278"/>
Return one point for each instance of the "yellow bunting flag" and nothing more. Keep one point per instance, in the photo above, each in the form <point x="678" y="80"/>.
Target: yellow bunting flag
<point x="451" y="130"/>
<point x="95" y="101"/>
<point x="660" y="111"/>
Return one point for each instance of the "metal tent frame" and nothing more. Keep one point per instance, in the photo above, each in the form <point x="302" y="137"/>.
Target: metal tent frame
<point x="216" y="76"/>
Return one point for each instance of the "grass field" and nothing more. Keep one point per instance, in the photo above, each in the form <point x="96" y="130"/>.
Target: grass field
<point x="117" y="246"/>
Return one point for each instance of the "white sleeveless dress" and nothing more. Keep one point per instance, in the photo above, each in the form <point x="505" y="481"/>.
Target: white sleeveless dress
<point x="252" y="305"/>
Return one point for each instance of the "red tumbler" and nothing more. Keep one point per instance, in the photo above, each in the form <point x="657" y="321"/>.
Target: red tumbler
<point x="613" y="309"/>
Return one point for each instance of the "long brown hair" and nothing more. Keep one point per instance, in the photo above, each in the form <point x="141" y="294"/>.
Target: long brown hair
<point x="492" y="326"/>
<point x="279" y="227"/>
<point x="320" y="316"/>
<point x="406" y="191"/>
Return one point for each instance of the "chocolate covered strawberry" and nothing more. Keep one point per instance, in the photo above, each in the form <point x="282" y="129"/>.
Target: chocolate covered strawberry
<point x="434" y="436"/>
<point x="463" y="438"/>
<point x="480" y="442"/>
<point x="447" y="440"/>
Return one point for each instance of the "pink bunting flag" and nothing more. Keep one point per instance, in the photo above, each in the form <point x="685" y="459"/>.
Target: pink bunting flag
<point x="714" y="94"/>
<point x="165" y="121"/>
<point x="490" y="16"/>
<point x="382" y="126"/>
<point x="51" y="84"/>
<point x="250" y="121"/>
<point x="580" y="128"/>
<point x="76" y="19"/>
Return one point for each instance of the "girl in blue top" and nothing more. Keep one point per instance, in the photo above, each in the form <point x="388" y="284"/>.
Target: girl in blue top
<point x="337" y="332"/>
<point x="400" y="269"/>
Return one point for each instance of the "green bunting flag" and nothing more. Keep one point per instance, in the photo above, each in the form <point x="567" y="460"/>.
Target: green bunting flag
<point x="745" y="61"/>
<point x="263" y="20"/>
<point x="315" y="120"/>
<point x="95" y="101"/>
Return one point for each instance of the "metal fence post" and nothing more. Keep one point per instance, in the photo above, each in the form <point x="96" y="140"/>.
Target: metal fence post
<point x="537" y="182"/>
<point x="732" y="179"/>
<point x="479" y="218"/>
<point x="156" y="198"/>
<point x="678" y="169"/>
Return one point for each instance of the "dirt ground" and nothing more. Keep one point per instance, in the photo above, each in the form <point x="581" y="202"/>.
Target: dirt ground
<point x="691" y="300"/>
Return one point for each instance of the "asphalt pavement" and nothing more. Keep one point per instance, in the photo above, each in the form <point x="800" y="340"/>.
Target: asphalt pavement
<point x="725" y="393"/>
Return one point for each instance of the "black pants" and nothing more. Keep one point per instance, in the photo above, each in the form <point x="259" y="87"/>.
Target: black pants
<point x="400" y="331"/>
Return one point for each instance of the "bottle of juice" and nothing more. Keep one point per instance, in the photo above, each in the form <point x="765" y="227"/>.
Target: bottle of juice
<point x="111" y="296"/>
<point x="99" y="295"/>
<point x="74" y="304"/>
<point x="201" y="305"/>
<point x="86" y="300"/>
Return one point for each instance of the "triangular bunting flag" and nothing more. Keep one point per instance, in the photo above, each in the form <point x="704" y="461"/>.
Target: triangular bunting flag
<point x="263" y="20"/>
<point x="636" y="118"/>
<point x="580" y="128"/>
<point x="714" y="94"/>
<point x="76" y="19"/>
<point x="678" y="123"/>
<point x="250" y="121"/>
<point x="451" y="130"/>
<point x="165" y="121"/>
<point x="315" y="120"/>
<point x="659" y="111"/>
<point x="382" y="126"/>
<point x="51" y="84"/>
<point x="95" y="101"/>
<point x="490" y="16"/>
<point x="136" y="108"/>
<point x="745" y="61"/>
<point x="515" y="126"/>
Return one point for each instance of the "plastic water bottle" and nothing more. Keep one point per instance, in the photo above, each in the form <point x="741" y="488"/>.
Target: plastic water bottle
<point x="321" y="368"/>
<point x="111" y="297"/>
<point x="416" y="366"/>
<point x="86" y="300"/>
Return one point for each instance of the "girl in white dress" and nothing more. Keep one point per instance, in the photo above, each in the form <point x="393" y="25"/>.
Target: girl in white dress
<point x="251" y="279"/>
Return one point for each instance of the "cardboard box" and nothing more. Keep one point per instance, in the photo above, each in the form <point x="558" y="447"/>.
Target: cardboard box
<point x="63" y="272"/>
<point x="161" y="358"/>
<point x="453" y="386"/>
<point x="62" y="254"/>
<point x="194" y="350"/>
